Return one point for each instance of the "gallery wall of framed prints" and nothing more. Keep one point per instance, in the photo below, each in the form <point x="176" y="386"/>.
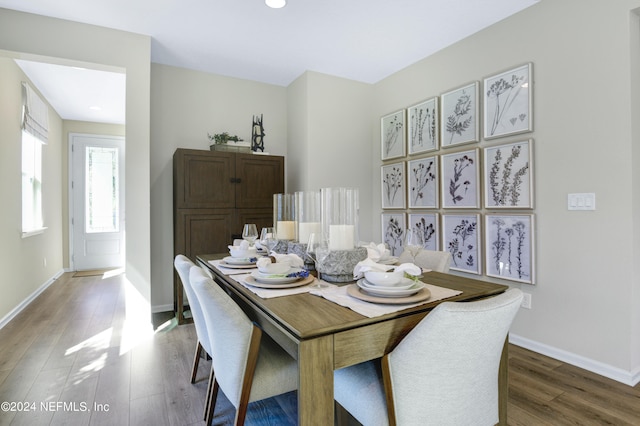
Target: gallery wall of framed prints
<point x="458" y="170"/>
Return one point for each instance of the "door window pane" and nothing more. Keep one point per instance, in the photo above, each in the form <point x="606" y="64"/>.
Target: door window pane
<point x="101" y="186"/>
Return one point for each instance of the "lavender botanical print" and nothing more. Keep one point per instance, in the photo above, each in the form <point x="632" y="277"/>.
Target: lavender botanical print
<point x="508" y="178"/>
<point x="423" y="182"/>
<point x="509" y="247"/>
<point x="507" y="103"/>
<point x="393" y="192"/>
<point x="460" y="180"/>
<point x="459" y="116"/>
<point x="426" y="227"/>
<point x="392" y="131"/>
<point x="423" y="126"/>
<point x="393" y="226"/>
<point x="461" y="238"/>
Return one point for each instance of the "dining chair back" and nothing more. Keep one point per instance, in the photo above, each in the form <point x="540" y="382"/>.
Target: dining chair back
<point x="183" y="265"/>
<point x="444" y="372"/>
<point x="438" y="261"/>
<point x="248" y="366"/>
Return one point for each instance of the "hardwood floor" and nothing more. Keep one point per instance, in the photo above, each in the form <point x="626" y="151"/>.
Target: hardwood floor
<point x="84" y="353"/>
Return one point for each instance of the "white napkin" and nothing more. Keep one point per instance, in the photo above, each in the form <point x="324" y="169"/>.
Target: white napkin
<point x="294" y="260"/>
<point x="377" y="252"/>
<point x="368" y="265"/>
<point x="244" y="245"/>
<point x="409" y="268"/>
<point x="263" y="261"/>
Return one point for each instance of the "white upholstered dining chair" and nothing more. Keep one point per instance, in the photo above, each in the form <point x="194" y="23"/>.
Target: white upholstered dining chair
<point x="248" y="366"/>
<point x="438" y="261"/>
<point x="444" y="372"/>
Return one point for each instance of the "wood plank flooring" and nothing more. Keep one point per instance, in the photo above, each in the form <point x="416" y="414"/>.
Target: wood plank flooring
<point x="82" y="354"/>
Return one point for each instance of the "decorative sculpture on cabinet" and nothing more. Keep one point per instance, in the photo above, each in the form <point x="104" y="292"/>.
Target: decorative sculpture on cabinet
<point x="257" y="134"/>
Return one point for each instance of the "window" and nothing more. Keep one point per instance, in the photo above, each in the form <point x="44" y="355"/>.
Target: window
<point x="34" y="134"/>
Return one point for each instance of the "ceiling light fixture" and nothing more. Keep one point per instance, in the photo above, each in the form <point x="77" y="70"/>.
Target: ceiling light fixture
<point x="276" y="4"/>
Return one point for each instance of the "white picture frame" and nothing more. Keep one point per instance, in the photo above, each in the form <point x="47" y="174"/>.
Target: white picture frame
<point x="393" y="185"/>
<point x="509" y="247"/>
<point x="460" y="180"/>
<point x="508" y="102"/>
<point x="459" y="123"/>
<point x="427" y="227"/>
<point x="461" y="237"/>
<point x="393" y="230"/>
<point x="392" y="135"/>
<point x="422" y="126"/>
<point x="423" y="182"/>
<point x="508" y="175"/>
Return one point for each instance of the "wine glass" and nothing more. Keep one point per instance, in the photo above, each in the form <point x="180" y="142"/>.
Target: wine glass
<point x="317" y="250"/>
<point x="268" y="238"/>
<point x="412" y="242"/>
<point x="250" y="233"/>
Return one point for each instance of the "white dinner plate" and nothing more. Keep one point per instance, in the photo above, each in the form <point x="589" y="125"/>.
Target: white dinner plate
<point x="254" y="283"/>
<point x="276" y="278"/>
<point x="390" y="292"/>
<point x="405" y="284"/>
<point x="239" y="260"/>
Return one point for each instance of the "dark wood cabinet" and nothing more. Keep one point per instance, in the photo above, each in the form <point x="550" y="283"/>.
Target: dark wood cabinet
<point x="214" y="194"/>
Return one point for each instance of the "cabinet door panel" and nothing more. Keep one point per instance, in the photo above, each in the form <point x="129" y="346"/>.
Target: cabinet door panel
<point x="206" y="231"/>
<point x="260" y="178"/>
<point x="204" y="180"/>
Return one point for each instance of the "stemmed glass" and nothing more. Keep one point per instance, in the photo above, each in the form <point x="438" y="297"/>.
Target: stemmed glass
<point x="317" y="250"/>
<point x="268" y="238"/>
<point x="412" y="242"/>
<point x="250" y="233"/>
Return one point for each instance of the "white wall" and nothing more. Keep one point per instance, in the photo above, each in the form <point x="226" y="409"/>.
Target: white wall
<point x="585" y="302"/>
<point x="68" y="43"/>
<point x="185" y="106"/>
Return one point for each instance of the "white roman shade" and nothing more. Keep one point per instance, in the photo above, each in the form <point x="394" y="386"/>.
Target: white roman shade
<point x="35" y="119"/>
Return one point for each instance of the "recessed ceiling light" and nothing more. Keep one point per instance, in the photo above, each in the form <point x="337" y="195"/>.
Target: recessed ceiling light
<point x="276" y="4"/>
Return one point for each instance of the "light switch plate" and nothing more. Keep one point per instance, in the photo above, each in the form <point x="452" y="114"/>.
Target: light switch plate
<point x="581" y="201"/>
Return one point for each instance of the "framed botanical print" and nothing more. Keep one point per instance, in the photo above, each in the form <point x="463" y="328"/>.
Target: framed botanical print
<point x="423" y="126"/>
<point x="508" y="177"/>
<point x="461" y="238"/>
<point x="422" y="181"/>
<point x="392" y="135"/>
<point x="508" y="102"/>
<point x="393" y="186"/>
<point x="509" y="247"/>
<point x="427" y="227"/>
<point x="393" y="226"/>
<point x="459" y="116"/>
<point x="460" y="180"/>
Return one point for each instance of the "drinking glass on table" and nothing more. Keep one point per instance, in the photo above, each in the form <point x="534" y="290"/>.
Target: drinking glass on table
<point x="412" y="242"/>
<point x="317" y="250"/>
<point x="268" y="238"/>
<point x="250" y="233"/>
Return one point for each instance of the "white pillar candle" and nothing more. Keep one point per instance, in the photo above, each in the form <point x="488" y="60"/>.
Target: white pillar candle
<point x="286" y="229"/>
<point x="341" y="237"/>
<point x="307" y="228"/>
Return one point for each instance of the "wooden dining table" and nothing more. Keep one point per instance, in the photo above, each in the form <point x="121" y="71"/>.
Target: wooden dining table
<point x="324" y="336"/>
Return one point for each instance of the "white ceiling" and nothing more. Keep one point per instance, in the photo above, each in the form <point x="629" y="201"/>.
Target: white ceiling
<point x="363" y="40"/>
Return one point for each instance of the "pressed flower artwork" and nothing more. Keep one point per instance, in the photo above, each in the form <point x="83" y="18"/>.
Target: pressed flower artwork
<point x="460" y="180"/>
<point x="423" y="126"/>
<point x="509" y="247"/>
<point x="461" y="238"/>
<point x="393" y="186"/>
<point x="507" y="102"/>
<point x="422" y="182"/>
<point x="459" y="116"/>
<point x="508" y="181"/>
<point x="392" y="131"/>
<point x="393" y="226"/>
<point x="426" y="227"/>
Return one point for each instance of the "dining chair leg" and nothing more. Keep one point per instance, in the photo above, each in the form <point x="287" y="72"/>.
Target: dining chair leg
<point x="388" y="390"/>
<point x="252" y="360"/>
<point x="196" y="362"/>
<point x="212" y="396"/>
<point x="207" y="399"/>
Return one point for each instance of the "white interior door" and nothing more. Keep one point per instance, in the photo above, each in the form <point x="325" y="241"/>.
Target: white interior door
<point x="97" y="202"/>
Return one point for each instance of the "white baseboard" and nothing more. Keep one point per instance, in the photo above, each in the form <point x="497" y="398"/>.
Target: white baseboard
<point x="15" y="311"/>
<point x="630" y="378"/>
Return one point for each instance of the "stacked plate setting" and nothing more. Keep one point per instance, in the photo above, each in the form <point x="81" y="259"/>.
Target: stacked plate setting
<point x="393" y="284"/>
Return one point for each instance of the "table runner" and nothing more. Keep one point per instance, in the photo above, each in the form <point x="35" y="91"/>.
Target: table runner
<point x="338" y="294"/>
